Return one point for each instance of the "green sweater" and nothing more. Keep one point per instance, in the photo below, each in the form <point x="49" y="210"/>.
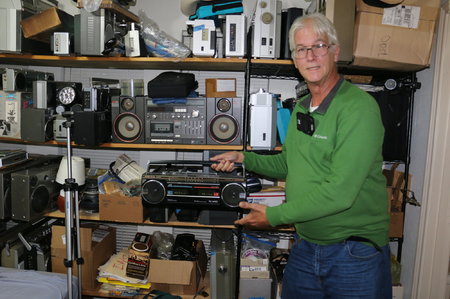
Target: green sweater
<point x="334" y="182"/>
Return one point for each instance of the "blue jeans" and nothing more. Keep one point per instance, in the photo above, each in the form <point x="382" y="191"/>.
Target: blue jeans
<point x="344" y="270"/>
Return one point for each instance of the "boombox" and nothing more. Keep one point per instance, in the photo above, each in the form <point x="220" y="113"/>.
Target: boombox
<point x="203" y="37"/>
<point x="184" y="183"/>
<point x="22" y="80"/>
<point x="176" y="123"/>
<point x="224" y="119"/>
<point x="127" y="115"/>
<point x="266" y="29"/>
<point x="34" y="191"/>
<point x="11" y="105"/>
<point x="98" y="98"/>
<point x="5" y="180"/>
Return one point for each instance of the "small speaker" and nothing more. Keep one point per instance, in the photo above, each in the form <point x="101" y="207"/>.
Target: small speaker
<point x="287" y="18"/>
<point x="91" y="127"/>
<point x="232" y="194"/>
<point x="154" y="192"/>
<point x="224" y="118"/>
<point x="36" y="125"/>
<point x="128" y="114"/>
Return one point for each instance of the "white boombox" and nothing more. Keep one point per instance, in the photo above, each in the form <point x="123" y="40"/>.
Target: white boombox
<point x="266" y="29"/>
<point x="235" y="28"/>
<point x="263" y="120"/>
<point x="203" y="37"/>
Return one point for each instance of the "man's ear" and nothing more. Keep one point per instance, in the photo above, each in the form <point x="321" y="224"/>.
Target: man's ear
<point x="337" y="50"/>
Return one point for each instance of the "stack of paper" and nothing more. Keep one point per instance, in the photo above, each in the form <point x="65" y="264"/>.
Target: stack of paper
<point x="113" y="272"/>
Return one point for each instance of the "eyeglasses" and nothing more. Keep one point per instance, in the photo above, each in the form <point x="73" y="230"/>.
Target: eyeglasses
<point x="317" y="50"/>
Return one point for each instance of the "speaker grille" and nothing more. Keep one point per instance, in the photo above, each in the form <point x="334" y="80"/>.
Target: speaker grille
<point x="153" y="192"/>
<point x="223" y="128"/>
<point x="232" y="194"/>
<point x="128" y="127"/>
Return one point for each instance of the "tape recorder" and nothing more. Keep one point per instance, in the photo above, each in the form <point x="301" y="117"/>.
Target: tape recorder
<point x="184" y="183"/>
<point x="22" y="80"/>
<point x="176" y="123"/>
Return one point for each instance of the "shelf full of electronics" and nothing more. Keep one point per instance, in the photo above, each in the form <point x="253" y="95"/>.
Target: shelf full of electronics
<point x="127" y="119"/>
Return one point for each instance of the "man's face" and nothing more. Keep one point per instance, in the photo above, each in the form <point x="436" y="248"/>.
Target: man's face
<point x="315" y="69"/>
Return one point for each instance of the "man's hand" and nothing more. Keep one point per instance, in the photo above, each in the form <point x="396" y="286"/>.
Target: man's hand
<point x="226" y="161"/>
<point x="256" y="218"/>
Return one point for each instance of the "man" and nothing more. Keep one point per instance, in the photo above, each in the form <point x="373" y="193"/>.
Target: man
<point x="335" y="191"/>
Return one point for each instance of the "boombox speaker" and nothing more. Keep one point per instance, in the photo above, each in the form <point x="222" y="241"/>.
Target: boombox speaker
<point x="128" y="114"/>
<point x="224" y="118"/>
<point x="91" y="127"/>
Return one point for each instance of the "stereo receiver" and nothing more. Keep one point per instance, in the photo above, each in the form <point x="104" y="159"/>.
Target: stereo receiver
<point x="184" y="183"/>
<point x="176" y="123"/>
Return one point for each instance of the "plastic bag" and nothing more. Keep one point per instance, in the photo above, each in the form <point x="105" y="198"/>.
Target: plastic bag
<point x="159" y="43"/>
<point x="162" y="245"/>
<point x="255" y="247"/>
<point x="91" y="5"/>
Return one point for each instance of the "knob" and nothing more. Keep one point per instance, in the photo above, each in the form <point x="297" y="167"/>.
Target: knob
<point x="222" y="269"/>
<point x="195" y="113"/>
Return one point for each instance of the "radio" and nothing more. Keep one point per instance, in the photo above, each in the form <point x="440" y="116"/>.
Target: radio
<point x="184" y="183"/>
<point x="266" y="29"/>
<point x="176" y="123"/>
<point x="235" y="29"/>
<point x="204" y="37"/>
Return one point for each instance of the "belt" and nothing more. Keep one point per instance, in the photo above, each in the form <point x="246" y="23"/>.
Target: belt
<point x="362" y="239"/>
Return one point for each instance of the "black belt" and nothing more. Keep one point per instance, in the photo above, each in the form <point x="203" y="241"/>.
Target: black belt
<point x="362" y="239"/>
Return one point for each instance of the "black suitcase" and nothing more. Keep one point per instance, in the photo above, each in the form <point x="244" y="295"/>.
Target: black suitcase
<point x="171" y="85"/>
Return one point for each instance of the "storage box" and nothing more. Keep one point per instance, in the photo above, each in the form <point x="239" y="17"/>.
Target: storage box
<point x="42" y="25"/>
<point x="261" y="288"/>
<point x="98" y="243"/>
<point x="392" y="47"/>
<point x="179" y="277"/>
<point x="396" y="226"/>
<point x="221" y="88"/>
<point x="397" y="292"/>
<point x="258" y="268"/>
<point x="117" y="207"/>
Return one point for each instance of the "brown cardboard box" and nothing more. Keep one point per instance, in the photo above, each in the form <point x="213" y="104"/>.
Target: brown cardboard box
<point x="98" y="243"/>
<point x="393" y="47"/>
<point x="117" y="207"/>
<point x="221" y="88"/>
<point x="42" y="25"/>
<point x="179" y="277"/>
<point x="396" y="227"/>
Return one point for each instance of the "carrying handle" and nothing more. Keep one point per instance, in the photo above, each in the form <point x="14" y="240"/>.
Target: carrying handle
<point x="381" y="4"/>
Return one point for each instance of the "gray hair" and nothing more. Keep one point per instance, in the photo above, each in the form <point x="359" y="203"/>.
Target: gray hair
<point x="319" y="24"/>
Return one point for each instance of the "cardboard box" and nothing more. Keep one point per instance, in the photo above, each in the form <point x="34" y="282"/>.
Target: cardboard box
<point x="98" y="243"/>
<point x="393" y="47"/>
<point x="221" y="88"/>
<point x="42" y="25"/>
<point x="261" y="288"/>
<point x="397" y="292"/>
<point x="179" y="277"/>
<point x="396" y="226"/>
<point x="112" y="207"/>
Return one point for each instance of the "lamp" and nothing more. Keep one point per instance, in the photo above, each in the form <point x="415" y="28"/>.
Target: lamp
<point x="78" y="174"/>
<point x="78" y="171"/>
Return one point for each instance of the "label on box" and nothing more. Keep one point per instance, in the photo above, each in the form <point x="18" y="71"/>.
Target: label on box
<point x="254" y="268"/>
<point x="225" y="85"/>
<point x="402" y="16"/>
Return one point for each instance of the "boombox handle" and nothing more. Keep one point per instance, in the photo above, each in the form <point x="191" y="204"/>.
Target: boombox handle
<point x="190" y="162"/>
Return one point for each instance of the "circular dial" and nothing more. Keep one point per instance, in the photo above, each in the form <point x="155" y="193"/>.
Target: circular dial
<point x="66" y="95"/>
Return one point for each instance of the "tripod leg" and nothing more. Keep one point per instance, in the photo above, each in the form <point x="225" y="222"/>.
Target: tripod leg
<point x="79" y="259"/>
<point x="69" y="249"/>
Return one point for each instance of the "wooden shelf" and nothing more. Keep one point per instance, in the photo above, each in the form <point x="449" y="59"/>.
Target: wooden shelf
<point x="204" y="64"/>
<point x="95" y="217"/>
<point x="137" y="146"/>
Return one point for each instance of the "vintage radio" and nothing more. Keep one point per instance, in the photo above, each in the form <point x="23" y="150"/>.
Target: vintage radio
<point x="185" y="183"/>
<point x="5" y="180"/>
<point x="22" y="80"/>
<point x="34" y="191"/>
<point x="176" y="123"/>
<point x="266" y="29"/>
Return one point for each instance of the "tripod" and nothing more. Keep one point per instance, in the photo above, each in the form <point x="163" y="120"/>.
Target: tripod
<point x="72" y="218"/>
